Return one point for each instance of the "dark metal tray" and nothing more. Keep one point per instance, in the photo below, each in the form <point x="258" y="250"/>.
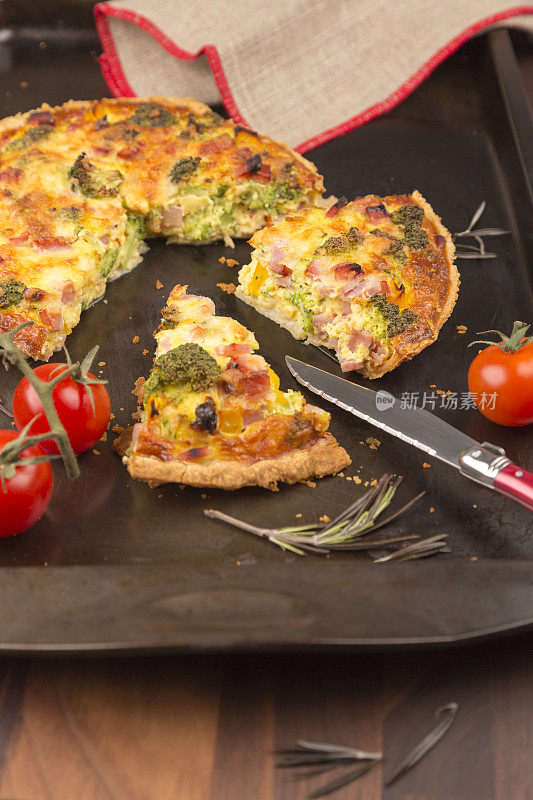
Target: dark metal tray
<point x="115" y="565"/>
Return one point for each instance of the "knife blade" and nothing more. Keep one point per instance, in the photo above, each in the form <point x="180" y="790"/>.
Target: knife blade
<point x="484" y="463"/>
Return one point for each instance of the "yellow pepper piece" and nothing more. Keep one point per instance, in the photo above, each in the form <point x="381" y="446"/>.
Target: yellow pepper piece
<point x="274" y="380"/>
<point x="259" y="276"/>
<point x="230" y="421"/>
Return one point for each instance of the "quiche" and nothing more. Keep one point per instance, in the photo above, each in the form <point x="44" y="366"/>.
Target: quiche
<point x="373" y="279"/>
<point x="213" y="413"/>
<point x="83" y="184"/>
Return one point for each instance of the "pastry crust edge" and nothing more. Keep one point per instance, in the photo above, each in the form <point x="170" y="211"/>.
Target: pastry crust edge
<point x="323" y="457"/>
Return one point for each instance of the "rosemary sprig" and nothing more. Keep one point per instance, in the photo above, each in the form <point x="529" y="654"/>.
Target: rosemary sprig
<point x="344" y="532"/>
<point x="10" y="455"/>
<point x="465" y="251"/>
<point x="327" y="757"/>
<point x="445" y="715"/>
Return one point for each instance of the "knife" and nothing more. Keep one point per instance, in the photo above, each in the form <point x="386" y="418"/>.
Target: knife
<point x="484" y="463"/>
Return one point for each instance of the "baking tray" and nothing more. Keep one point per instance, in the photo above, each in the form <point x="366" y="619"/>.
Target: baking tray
<point x="116" y="566"/>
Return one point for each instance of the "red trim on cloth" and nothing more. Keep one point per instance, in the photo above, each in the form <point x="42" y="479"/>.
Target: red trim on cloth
<point x="119" y="86"/>
<point x="413" y="82"/>
<point x="112" y="69"/>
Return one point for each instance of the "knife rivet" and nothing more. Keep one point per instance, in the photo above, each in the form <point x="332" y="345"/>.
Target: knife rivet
<point x="519" y="473"/>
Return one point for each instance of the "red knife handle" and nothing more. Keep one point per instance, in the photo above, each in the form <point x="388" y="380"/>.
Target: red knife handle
<point x="516" y="483"/>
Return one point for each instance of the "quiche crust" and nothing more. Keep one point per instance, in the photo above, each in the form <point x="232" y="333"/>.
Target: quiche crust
<point x="323" y="457"/>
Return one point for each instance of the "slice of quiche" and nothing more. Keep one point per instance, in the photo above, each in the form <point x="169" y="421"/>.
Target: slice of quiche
<point x="373" y="279"/>
<point x="82" y="184"/>
<point x="213" y="414"/>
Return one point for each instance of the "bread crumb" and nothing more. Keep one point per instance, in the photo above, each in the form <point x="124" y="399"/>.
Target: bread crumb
<point x="117" y="428"/>
<point x="365" y="483"/>
<point x="24" y="85"/>
<point x="474" y="505"/>
<point x="239" y="563"/>
<point x="203" y="496"/>
<point x="229" y="288"/>
<point x="439" y="391"/>
<point x="135" y="340"/>
<point x="461" y="329"/>
<point x="222" y="259"/>
<point x="96" y="452"/>
<point x="374" y="482"/>
<point x="432" y="385"/>
<point x="112" y="416"/>
<point x="42" y="45"/>
<point x="426" y="465"/>
<point x="103" y="438"/>
<point x="356" y="479"/>
<point x="349" y="478"/>
<point x="158" y="284"/>
<point x="474" y="558"/>
<point x="298" y="516"/>
<point x="145" y="352"/>
<point x="136" y="416"/>
<point x="324" y="518"/>
<point x="361" y="442"/>
<point x="372" y="442"/>
<point x="340" y="474"/>
<point x="101" y="363"/>
<point x="160" y="495"/>
<point x="431" y="510"/>
<point x="311" y="484"/>
<point x="231" y="262"/>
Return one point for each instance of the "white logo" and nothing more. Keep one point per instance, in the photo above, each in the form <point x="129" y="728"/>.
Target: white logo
<point x="384" y="400"/>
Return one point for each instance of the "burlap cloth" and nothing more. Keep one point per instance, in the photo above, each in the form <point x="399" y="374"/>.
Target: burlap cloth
<point x="302" y="71"/>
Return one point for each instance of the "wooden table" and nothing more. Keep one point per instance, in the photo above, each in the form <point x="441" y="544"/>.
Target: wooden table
<point x="204" y="727"/>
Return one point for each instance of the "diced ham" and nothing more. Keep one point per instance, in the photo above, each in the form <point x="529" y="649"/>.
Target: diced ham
<point x="194" y="452"/>
<point x="347" y="270"/>
<point x="439" y="241"/>
<point x="69" y="293"/>
<point x="376" y="213"/>
<point x="51" y="320"/>
<point x="349" y="366"/>
<point x="10" y="175"/>
<point x="216" y="145"/>
<point x="322" y="319"/>
<point x="334" y="209"/>
<point x="367" y="287"/>
<point x="313" y="268"/>
<point x="359" y="337"/>
<point x="33" y="294"/>
<point x="346" y="308"/>
<point x="233" y="350"/>
<point x="172" y="216"/>
<point x="280" y="269"/>
<point x="384" y="287"/>
<point x="277" y="255"/>
<point x="249" y="417"/>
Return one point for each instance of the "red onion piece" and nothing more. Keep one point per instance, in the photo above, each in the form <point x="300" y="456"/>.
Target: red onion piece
<point x="376" y="213"/>
<point x="334" y="209"/>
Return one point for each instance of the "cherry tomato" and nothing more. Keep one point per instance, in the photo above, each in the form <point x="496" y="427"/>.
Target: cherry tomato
<point x="501" y="381"/>
<point x="26" y="494"/>
<point x="84" y="426"/>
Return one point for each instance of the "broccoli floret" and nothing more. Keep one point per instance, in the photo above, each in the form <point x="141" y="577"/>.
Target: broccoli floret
<point x="11" y="293"/>
<point x="188" y="364"/>
<point x="411" y="218"/>
<point x="94" y="182"/>
<point x="149" y="115"/>
<point x="135" y="233"/>
<point x="184" y="167"/>
<point x="336" y="245"/>
<point x="408" y="215"/>
<point x="416" y="238"/>
<point x="301" y="301"/>
<point x="108" y="261"/>
<point x="31" y="136"/>
<point x="397" y="321"/>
